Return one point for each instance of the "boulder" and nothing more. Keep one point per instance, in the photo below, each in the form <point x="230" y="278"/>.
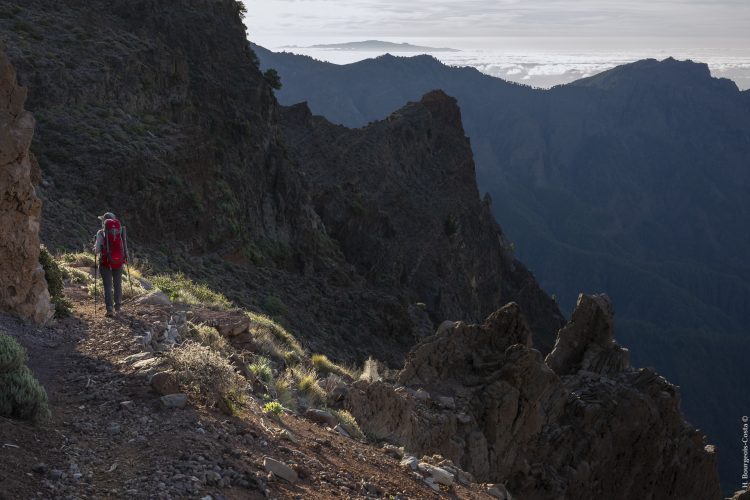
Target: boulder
<point x="280" y="469"/>
<point x="174" y="401"/>
<point x="227" y="323"/>
<point x="157" y="298"/>
<point x="498" y="491"/>
<point x="410" y="463"/>
<point x="23" y="289"/>
<point x="321" y="417"/>
<point x="440" y="475"/>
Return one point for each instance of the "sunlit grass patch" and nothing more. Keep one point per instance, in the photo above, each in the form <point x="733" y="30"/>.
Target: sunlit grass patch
<point x="208" y="336"/>
<point x="349" y="423"/>
<point x="179" y="288"/>
<point x="324" y="366"/>
<point x="78" y="259"/>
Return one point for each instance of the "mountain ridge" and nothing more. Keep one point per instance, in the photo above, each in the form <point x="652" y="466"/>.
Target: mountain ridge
<point x="638" y="189"/>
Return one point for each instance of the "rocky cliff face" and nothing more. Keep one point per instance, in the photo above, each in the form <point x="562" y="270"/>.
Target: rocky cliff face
<point x="23" y="289"/>
<point x="633" y="181"/>
<point x="580" y="424"/>
<point x="400" y="197"/>
<point x="160" y="114"/>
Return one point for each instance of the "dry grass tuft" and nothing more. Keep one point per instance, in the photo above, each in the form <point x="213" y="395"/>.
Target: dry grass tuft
<point x="370" y="371"/>
<point x="349" y="423"/>
<point x="209" y="337"/>
<point x="325" y="366"/>
<point x="205" y="373"/>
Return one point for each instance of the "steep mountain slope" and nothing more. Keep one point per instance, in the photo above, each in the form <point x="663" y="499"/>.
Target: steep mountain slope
<point x="318" y="281"/>
<point x="161" y="115"/>
<point x="400" y="197"/>
<point x="634" y="182"/>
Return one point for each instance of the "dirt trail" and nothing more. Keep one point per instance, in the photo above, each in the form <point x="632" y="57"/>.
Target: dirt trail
<point x="109" y="437"/>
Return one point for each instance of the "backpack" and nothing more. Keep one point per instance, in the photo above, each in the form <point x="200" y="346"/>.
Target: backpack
<point x="115" y="250"/>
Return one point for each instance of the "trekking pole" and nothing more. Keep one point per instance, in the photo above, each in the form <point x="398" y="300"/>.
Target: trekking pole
<point x="130" y="279"/>
<point x="96" y="273"/>
<point x="127" y="259"/>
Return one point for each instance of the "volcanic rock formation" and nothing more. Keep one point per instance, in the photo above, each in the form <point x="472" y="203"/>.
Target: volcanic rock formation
<point x="580" y="425"/>
<point x="23" y="289"/>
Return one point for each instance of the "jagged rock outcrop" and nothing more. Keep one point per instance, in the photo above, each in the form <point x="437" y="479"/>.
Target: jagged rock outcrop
<point x="587" y="342"/>
<point x="481" y="396"/>
<point x="23" y="288"/>
<point x="400" y="196"/>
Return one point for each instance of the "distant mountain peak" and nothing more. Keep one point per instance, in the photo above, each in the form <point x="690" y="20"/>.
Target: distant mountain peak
<point x="669" y="72"/>
<point x="376" y="45"/>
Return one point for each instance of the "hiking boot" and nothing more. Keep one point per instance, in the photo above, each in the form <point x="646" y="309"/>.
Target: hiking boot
<point x="109" y="313"/>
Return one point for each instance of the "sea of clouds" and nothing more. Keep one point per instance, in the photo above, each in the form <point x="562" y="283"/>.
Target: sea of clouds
<point x="545" y="68"/>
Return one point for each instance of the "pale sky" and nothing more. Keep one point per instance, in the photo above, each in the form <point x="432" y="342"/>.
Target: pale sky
<point x="712" y="23"/>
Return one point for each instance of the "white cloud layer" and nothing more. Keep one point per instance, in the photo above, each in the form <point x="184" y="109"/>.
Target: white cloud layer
<point x="694" y="19"/>
<point x="538" y="42"/>
<point x="546" y="68"/>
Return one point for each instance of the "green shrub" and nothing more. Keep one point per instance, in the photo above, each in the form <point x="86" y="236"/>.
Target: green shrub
<point x="21" y="395"/>
<point x="12" y="354"/>
<point x="273" y="407"/>
<point x="180" y="288"/>
<point x="273" y="78"/>
<point x="261" y="367"/>
<point x="54" y="276"/>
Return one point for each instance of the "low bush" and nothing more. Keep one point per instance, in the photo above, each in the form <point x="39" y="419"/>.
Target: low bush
<point x="12" y="354"/>
<point x="53" y="273"/>
<point x="261" y="367"/>
<point x="21" y="395"/>
<point x="206" y="373"/>
<point x="273" y="407"/>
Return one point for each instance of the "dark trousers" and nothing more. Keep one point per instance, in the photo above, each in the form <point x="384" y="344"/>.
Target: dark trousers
<point x="112" y="277"/>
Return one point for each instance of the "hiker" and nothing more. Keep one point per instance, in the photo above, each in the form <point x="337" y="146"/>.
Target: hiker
<point x="111" y="245"/>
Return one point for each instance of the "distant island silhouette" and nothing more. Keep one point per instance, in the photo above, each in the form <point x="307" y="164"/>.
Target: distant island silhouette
<point x="374" y="45"/>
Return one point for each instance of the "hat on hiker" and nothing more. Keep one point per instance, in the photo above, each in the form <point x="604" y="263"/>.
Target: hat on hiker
<point x="107" y="215"/>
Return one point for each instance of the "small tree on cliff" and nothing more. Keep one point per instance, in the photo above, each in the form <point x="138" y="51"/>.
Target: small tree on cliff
<point x="273" y="78"/>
